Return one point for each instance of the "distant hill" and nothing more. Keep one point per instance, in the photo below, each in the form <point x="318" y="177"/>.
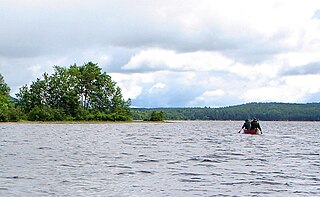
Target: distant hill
<point x="13" y="99"/>
<point x="262" y="111"/>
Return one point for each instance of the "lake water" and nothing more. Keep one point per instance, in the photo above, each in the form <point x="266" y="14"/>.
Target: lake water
<point x="159" y="159"/>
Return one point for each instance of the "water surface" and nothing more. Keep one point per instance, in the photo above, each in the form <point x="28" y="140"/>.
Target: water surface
<point x="159" y="159"/>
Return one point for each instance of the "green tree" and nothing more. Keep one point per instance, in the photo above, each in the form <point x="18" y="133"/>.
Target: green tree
<point x="5" y="101"/>
<point x="7" y="110"/>
<point x="88" y="79"/>
<point x="63" y="90"/>
<point x="82" y="92"/>
<point x="4" y="88"/>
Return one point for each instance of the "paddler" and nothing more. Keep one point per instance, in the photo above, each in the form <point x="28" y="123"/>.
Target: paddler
<point x="246" y="125"/>
<point x="255" y="124"/>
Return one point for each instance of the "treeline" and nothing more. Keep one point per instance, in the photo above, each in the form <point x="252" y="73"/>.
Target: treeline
<point x="73" y="93"/>
<point x="262" y="111"/>
<point x="86" y="93"/>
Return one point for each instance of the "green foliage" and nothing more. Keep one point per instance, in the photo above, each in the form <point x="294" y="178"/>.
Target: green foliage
<point x="11" y="115"/>
<point x="5" y="101"/>
<point x="4" y="88"/>
<point x="44" y="113"/>
<point x="7" y="110"/>
<point x="74" y="93"/>
<point x="263" y="111"/>
<point x="157" y="116"/>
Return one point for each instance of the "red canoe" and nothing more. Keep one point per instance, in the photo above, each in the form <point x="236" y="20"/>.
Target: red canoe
<point x="252" y="131"/>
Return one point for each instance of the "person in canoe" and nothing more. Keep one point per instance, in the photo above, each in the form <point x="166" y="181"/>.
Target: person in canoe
<point x="255" y="124"/>
<point x="246" y="125"/>
<point x="251" y="127"/>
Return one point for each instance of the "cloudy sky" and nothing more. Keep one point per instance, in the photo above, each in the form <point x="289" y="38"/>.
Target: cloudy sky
<point x="171" y="53"/>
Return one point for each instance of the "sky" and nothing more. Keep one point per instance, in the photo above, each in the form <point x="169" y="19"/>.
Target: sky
<point x="171" y="53"/>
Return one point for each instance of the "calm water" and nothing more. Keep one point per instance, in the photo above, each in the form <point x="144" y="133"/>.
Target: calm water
<point x="154" y="159"/>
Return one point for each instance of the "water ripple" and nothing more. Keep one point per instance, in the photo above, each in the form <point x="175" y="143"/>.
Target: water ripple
<point x="150" y="159"/>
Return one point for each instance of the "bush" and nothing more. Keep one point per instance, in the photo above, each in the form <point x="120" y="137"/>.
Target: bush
<point x="117" y="117"/>
<point x="157" y="116"/>
<point x="43" y="113"/>
<point x="4" y="117"/>
<point x="40" y="114"/>
<point x="59" y="115"/>
<point x="10" y="115"/>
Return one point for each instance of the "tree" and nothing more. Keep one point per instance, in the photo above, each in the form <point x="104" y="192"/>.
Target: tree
<point x="82" y="92"/>
<point x="62" y="90"/>
<point x="7" y="110"/>
<point x="4" y="88"/>
<point x="88" y="79"/>
<point x="5" y="101"/>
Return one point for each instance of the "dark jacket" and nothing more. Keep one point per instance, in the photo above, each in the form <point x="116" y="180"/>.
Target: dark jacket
<point x="255" y="124"/>
<point x="246" y="125"/>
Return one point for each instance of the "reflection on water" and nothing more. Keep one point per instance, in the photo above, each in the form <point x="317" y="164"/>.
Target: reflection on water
<point x="159" y="159"/>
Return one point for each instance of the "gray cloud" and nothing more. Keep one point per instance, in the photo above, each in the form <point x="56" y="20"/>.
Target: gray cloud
<point x="312" y="68"/>
<point x="312" y="98"/>
<point x="255" y="51"/>
<point x="48" y="28"/>
<point x="37" y="34"/>
<point x="174" y="95"/>
<point x="179" y="92"/>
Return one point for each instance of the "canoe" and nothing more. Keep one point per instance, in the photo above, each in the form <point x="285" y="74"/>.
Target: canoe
<point x="255" y="131"/>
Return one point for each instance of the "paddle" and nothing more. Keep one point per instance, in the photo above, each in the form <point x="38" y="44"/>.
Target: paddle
<point x="240" y="130"/>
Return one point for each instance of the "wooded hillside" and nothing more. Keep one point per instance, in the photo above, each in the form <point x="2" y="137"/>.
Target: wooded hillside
<point x="262" y="111"/>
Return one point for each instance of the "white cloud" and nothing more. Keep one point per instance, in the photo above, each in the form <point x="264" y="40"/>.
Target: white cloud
<point x="208" y="95"/>
<point x="171" y="53"/>
<point x="305" y="84"/>
<point x="286" y="89"/>
<point x="131" y="85"/>
<point x="268" y="94"/>
<point x="161" y="59"/>
<point x="157" y="86"/>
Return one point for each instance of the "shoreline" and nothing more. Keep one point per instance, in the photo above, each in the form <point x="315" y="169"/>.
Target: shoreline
<point x="140" y="121"/>
<point x="83" y="122"/>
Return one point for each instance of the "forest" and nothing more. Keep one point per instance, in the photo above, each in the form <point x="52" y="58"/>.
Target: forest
<point x="85" y="93"/>
<point x="262" y="111"/>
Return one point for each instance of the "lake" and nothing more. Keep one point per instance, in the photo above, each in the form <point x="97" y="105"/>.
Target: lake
<point x="191" y="158"/>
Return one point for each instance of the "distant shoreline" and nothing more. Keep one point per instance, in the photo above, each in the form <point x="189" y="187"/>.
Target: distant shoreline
<point x="261" y="111"/>
<point x="83" y="122"/>
<point x="140" y="121"/>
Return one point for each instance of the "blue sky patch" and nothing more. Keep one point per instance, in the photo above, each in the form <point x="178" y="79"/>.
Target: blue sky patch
<point x="316" y="14"/>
